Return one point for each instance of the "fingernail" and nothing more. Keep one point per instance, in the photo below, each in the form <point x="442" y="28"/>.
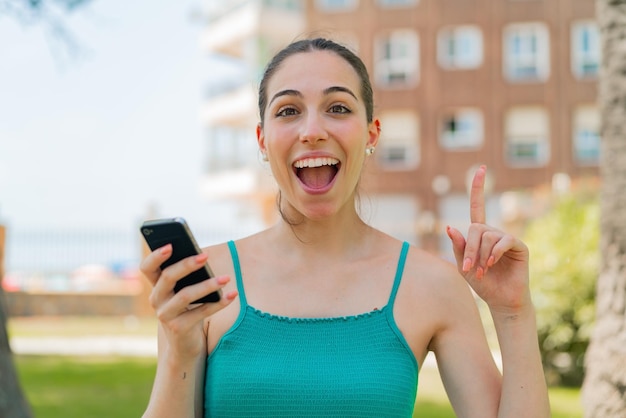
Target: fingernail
<point x="223" y="279"/>
<point x="467" y="264"/>
<point x="479" y="273"/>
<point x="201" y="258"/>
<point x="166" y="249"/>
<point x="491" y="261"/>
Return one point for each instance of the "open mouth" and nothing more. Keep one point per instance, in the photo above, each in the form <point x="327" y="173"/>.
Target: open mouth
<point x="317" y="173"/>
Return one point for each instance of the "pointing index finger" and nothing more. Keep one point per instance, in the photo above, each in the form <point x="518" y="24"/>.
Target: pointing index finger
<point x="477" y="196"/>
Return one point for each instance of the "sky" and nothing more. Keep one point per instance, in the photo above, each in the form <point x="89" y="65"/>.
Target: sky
<point x="96" y="140"/>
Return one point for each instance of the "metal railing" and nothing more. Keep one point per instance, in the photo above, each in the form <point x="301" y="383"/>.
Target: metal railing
<point x="52" y="259"/>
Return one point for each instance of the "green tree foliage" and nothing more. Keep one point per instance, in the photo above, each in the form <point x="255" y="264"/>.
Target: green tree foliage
<point x="29" y="10"/>
<point x="50" y="16"/>
<point x="564" y="267"/>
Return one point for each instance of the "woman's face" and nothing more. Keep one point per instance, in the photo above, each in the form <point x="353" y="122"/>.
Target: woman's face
<point x="315" y="132"/>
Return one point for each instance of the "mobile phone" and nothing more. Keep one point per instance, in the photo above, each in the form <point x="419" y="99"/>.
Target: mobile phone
<point x="175" y="231"/>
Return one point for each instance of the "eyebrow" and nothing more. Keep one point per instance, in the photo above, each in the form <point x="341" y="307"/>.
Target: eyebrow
<point x="340" y="89"/>
<point x="287" y="92"/>
<point x="329" y="90"/>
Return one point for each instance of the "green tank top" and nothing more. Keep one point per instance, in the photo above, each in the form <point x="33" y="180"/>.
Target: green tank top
<point x="274" y="366"/>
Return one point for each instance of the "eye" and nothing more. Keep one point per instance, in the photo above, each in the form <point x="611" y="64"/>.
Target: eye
<point x="339" y="108"/>
<point x="286" y="111"/>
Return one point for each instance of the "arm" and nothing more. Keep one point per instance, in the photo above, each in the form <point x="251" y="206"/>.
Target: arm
<point x="178" y="385"/>
<point x="466" y="365"/>
<point x="524" y="391"/>
<point x="182" y="334"/>
<point x="473" y="383"/>
<point x="495" y="265"/>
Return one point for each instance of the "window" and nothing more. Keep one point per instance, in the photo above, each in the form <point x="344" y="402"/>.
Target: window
<point x="336" y="5"/>
<point x="586" y="52"/>
<point x="230" y="148"/>
<point x="398" y="148"/>
<point x="526" y="52"/>
<point x="396" y="3"/>
<point x="586" y="135"/>
<point x="527" y="133"/>
<point x="397" y="59"/>
<point x="460" y="47"/>
<point x="462" y="129"/>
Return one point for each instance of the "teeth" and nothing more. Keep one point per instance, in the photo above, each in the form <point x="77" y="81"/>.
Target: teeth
<point x="315" y="162"/>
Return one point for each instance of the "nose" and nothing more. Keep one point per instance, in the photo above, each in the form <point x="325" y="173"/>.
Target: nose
<point x="313" y="128"/>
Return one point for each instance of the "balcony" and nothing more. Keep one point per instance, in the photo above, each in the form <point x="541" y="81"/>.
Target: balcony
<point x="230" y="183"/>
<point x="236" y="106"/>
<point x="225" y="33"/>
<point x="228" y="30"/>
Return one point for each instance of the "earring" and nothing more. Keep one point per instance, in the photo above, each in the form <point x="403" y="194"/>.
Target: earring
<point x="369" y="151"/>
<point x="264" y="156"/>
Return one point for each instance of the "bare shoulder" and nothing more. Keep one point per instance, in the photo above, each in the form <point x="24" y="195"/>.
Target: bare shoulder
<point x="222" y="264"/>
<point x="433" y="291"/>
<point x="220" y="259"/>
<point x="426" y="271"/>
<point x="221" y="253"/>
<point x="422" y="269"/>
<point x="436" y="284"/>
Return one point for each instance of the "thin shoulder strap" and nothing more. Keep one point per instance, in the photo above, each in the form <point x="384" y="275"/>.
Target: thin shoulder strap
<point x="399" y="271"/>
<point x="235" y="256"/>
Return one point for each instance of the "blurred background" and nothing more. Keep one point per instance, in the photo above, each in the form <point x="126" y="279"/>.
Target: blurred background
<point x="114" y="112"/>
<point x="101" y="128"/>
<point x="137" y="111"/>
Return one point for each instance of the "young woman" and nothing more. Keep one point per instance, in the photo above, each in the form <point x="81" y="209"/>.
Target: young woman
<point x="323" y="315"/>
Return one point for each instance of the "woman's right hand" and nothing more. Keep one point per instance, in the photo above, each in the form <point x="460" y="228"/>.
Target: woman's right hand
<point x="181" y="322"/>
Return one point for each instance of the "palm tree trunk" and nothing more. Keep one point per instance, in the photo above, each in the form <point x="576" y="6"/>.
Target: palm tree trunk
<point x="604" y="389"/>
<point x="13" y="404"/>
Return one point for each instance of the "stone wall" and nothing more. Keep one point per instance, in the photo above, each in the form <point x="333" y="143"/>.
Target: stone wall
<point x="39" y="304"/>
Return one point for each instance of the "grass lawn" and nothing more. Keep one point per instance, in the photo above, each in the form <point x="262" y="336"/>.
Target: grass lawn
<point x="78" y="387"/>
<point x="432" y="401"/>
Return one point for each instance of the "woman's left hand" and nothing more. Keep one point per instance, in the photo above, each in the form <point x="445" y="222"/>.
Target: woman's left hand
<point x="494" y="263"/>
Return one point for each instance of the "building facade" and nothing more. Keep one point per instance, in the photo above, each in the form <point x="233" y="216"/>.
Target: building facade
<point x="459" y="83"/>
<point x="244" y="34"/>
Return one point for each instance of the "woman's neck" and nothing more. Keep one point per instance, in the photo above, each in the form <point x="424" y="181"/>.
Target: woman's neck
<point x="334" y="235"/>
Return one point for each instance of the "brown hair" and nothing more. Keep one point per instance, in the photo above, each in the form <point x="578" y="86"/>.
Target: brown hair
<point x="318" y="44"/>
